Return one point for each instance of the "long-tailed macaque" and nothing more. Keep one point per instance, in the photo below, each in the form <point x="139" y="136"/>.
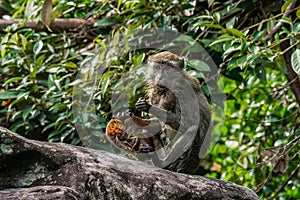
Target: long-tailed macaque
<point x="177" y="148"/>
<point x="179" y="118"/>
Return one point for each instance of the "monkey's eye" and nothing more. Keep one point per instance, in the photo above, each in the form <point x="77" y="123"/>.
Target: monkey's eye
<point x="157" y="66"/>
<point x="157" y="69"/>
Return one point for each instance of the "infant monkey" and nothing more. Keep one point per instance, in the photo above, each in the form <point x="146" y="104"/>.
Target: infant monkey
<point x="163" y="105"/>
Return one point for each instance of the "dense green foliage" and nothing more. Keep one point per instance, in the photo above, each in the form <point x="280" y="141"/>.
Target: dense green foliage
<point x="38" y="71"/>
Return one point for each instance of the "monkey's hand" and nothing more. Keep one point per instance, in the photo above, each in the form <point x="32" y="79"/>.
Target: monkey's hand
<point x="142" y="105"/>
<point x="123" y="116"/>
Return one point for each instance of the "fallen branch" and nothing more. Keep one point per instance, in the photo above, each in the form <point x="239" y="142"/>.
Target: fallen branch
<point x="40" y="170"/>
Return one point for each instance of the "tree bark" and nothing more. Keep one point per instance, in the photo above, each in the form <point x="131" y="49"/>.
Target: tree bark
<point x="40" y="170"/>
<point x="291" y="76"/>
<point x="57" y="25"/>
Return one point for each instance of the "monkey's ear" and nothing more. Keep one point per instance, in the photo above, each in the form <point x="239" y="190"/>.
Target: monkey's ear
<point x="179" y="64"/>
<point x="184" y="62"/>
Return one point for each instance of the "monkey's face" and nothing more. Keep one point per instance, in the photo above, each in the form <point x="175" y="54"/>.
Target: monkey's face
<point x="157" y="73"/>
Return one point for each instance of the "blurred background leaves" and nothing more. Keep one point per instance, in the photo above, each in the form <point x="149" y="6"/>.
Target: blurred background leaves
<point x="258" y="146"/>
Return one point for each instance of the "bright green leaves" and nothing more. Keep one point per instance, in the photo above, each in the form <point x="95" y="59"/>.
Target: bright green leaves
<point x="233" y="32"/>
<point x="4" y="44"/>
<point x="37" y="47"/>
<point x="35" y="73"/>
<point x="298" y="13"/>
<point x="38" y="71"/>
<point x="285" y="5"/>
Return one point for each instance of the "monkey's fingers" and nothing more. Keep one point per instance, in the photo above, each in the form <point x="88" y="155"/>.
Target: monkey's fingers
<point x="122" y="116"/>
<point x="142" y="105"/>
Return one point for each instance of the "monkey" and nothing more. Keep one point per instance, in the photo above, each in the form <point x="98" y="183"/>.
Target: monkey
<point x="163" y="105"/>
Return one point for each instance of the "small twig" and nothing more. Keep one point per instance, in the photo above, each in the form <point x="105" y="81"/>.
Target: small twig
<point x="263" y="21"/>
<point x="286" y="182"/>
<point x="280" y="23"/>
<point x="289" y="48"/>
<point x="262" y="10"/>
<point x="87" y="48"/>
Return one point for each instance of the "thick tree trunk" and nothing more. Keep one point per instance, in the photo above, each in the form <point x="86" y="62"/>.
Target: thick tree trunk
<point x="40" y="170"/>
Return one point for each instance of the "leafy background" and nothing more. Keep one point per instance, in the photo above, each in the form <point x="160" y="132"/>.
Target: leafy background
<point x="258" y="146"/>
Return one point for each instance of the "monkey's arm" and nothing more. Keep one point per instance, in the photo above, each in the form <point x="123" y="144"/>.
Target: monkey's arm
<point x="172" y="119"/>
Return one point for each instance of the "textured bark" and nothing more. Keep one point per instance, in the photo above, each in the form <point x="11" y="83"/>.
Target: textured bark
<point x="56" y="25"/>
<point x="40" y="170"/>
<point x="292" y="77"/>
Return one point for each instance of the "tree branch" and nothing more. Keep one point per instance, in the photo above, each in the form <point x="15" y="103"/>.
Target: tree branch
<point x="56" y="26"/>
<point x="292" y="77"/>
<point x="280" y="23"/>
<point x="40" y="170"/>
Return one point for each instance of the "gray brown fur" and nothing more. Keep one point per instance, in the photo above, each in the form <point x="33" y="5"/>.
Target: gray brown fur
<point x="164" y="104"/>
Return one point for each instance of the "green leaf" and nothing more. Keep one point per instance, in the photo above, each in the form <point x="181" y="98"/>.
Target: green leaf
<point x="286" y="4"/>
<point x="296" y="61"/>
<point x="57" y="85"/>
<point x="216" y="26"/>
<point x="258" y="35"/>
<point x="221" y="40"/>
<point x="11" y="80"/>
<point x="119" y="4"/>
<point x="231" y="144"/>
<point x="217" y="16"/>
<point x="298" y="13"/>
<point x="138" y="59"/>
<point x="23" y="95"/>
<point x="71" y="65"/>
<point x="39" y="62"/>
<point x="185" y="38"/>
<point x="199" y="65"/>
<point x="106" y="22"/>
<point x="286" y="20"/>
<point x="7" y="95"/>
<point x="37" y="47"/>
<point x="260" y="72"/>
<point x="24" y="41"/>
<point x="233" y="31"/>
<point x="26" y="111"/>
<point x="222" y="149"/>
<point x="231" y="50"/>
<point x="29" y="8"/>
<point x="52" y="125"/>
<point x="4" y="41"/>
<point x="105" y="84"/>
<point x="244" y="46"/>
